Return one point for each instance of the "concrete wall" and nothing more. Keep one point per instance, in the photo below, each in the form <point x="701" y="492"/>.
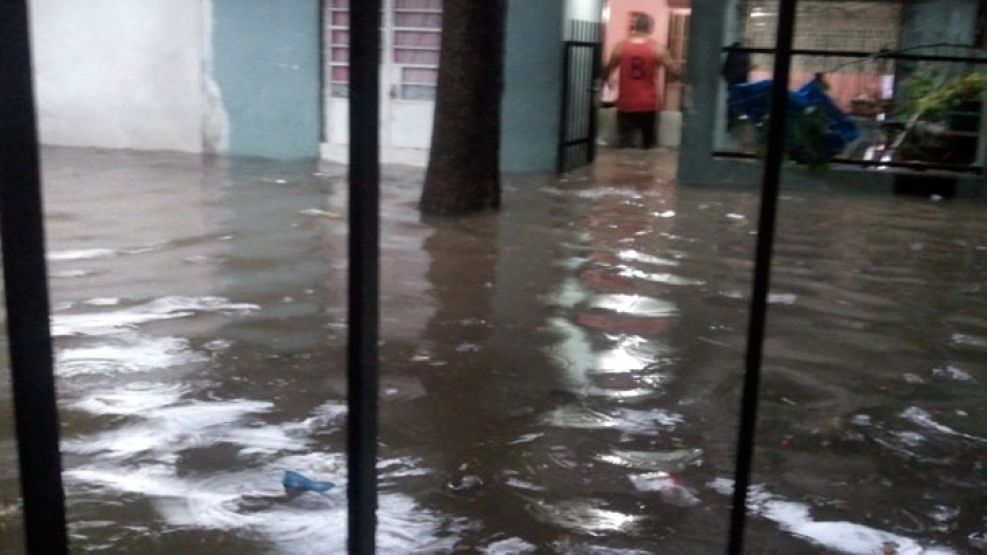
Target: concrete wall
<point x="702" y="103"/>
<point x="583" y="10"/>
<point x="230" y="76"/>
<point x="119" y="73"/>
<point x="533" y="72"/>
<point x="939" y="21"/>
<point x="266" y="64"/>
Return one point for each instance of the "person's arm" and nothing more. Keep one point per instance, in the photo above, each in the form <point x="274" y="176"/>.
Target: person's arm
<point x="613" y="64"/>
<point x="673" y="70"/>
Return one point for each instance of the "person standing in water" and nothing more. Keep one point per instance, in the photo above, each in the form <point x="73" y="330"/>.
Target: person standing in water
<point x="638" y="59"/>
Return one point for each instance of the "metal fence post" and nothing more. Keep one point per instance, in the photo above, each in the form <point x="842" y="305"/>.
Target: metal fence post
<point x="364" y="275"/>
<point x="777" y="135"/>
<point x="26" y="287"/>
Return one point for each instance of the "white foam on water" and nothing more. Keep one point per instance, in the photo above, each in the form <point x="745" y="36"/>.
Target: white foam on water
<point x="603" y="192"/>
<point x="103" y="301"/>
<point x="634" y="305"/>
<point x="165" y="308"/>
<point x="510" y="546"/>
<point x="841" y="536"/>
<point x="318" y="213"/>
<point x="970" y="340"/>
<point x="264" y="439"/>
<point x="584" y="516"/>
<point x="922" y="418"/>
<point x="631" y="353"/>
<point x="643" y="422"/>
<point x="523" y="484"/>
<point x="631" y="255"/>
<point x="322" y="415"/>
<point x="126" y="354"/>
<point x="782" y="298"/>
<point x="168" y="429"/>
<point x="130" y="400"/>
<point x="667" y="487"/>
<point x="952" y="373"/>
<point x="665" y="278"/>
<point x="310" y="523"/>
<point x="82" y="254"/>
<point x="68" y="274"/>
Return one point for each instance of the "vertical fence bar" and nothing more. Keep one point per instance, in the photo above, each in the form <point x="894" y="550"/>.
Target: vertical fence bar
<point x="364" y="275"/>
<point x="323" y="61"/>
<point x="26" y="287"/>
<point x="564" y="109"/>
<point x="595" y="89"/>
<point x="777" y="135"/>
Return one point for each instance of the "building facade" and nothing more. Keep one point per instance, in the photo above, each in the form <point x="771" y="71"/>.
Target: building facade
<point x="847" y="25"/>
<point x="269" y="79"/>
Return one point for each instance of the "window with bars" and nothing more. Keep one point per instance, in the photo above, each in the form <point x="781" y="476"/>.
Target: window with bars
<point x="411" y="40"/>
<point x="417" y="38"/>
<point x="866" y="26"/>
<point x="338" y="37"/>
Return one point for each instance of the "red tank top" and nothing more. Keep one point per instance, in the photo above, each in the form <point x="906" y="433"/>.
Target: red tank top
<point x="638" y="77"/>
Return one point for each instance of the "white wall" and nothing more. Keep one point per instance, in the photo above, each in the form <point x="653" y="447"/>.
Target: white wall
<point x="120" y="73"/>
<point x="584" y="10"/>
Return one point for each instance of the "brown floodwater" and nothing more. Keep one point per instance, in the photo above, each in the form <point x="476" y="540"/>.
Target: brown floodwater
<point x="560" y="377"/>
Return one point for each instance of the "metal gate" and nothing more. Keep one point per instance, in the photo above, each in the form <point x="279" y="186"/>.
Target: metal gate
<point x="581" y="72"/>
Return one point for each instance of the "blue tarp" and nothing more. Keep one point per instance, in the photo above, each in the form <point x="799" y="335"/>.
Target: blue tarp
<point x="754" y="100"/>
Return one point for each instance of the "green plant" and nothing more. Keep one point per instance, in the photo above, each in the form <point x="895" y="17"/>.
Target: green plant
<point x="806" y="140"/>
<point x="927" y="94"/>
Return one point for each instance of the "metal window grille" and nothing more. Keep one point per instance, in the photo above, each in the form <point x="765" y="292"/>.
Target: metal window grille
<point x="857" y="42"/>
<point x="417" y="28"/>
<point x="337" y="34"/>
<point x="28" y="311"/>
<point x="580" y="75"/>
<point x="412" y="31"/>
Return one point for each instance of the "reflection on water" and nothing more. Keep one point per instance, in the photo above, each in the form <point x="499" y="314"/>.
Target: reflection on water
<point x="560" y="377"/>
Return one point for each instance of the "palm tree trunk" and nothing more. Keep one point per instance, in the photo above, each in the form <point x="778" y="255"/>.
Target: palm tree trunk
<point x="464" y="164"/>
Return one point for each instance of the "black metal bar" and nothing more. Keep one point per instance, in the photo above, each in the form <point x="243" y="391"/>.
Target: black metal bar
<point x="593" y="121"/>
<point x="890" y="55"/>
<point x="564" y="110"/>
<point x="582" y="90"/>
<point x="26" y="288"/>
<point x="364" y="274"/>
<point x="323" y="98"/>
<point x="869" y="163"/>
<point x="762" y="273"/>
<point x="585" y="43"/>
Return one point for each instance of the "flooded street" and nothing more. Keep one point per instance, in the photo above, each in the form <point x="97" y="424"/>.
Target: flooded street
<point x="561" y="377"/>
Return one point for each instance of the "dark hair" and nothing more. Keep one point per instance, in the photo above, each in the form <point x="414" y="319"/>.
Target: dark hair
<point x="643" y="24"/>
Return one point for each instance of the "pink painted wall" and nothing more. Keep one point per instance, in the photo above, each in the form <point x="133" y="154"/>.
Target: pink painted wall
<point x="620" y="10"/>
<point x="843" y="87"/>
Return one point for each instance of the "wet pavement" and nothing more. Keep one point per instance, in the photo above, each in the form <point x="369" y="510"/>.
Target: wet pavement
<point x="561" y="377"/>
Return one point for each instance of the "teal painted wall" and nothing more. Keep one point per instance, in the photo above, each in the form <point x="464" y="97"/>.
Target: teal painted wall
<point x="533" y="70"/>
<point x="266" y="63"/>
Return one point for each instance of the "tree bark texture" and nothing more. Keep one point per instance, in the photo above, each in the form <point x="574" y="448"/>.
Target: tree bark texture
<point x="464" y="163"/>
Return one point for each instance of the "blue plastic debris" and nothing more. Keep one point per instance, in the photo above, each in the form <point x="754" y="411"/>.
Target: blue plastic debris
<point x="754" y="100"/>
<point x="295" y="482"/>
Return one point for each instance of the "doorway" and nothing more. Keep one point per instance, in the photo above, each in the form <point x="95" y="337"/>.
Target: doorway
<point x="671" y="30"/>
<point x="411" y="39"/>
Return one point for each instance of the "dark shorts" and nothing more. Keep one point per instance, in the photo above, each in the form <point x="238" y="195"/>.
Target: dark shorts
<point x="629" y="123"/>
